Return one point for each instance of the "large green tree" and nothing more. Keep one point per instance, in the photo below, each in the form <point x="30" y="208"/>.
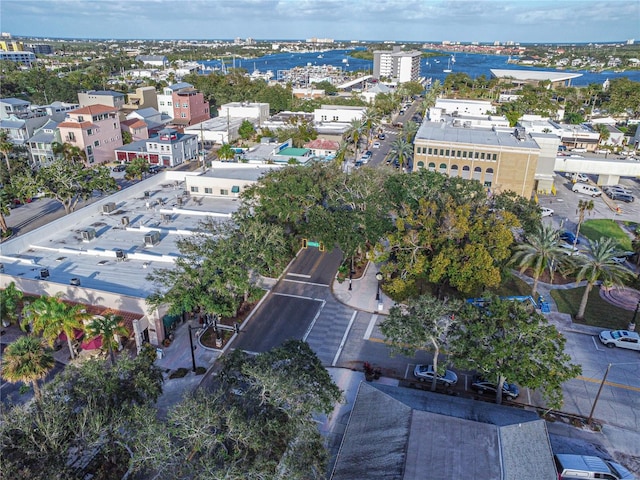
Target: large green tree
<point x="509" y="340"/>
<point x="403" y="150"/>
<point x="27" y="360"/>
<point x="107" y="327"/>
<point x="424" y="322"/>
<point x="136" y="168"/>
<point x="598" y="264"/>
<point x="68" y="182"/>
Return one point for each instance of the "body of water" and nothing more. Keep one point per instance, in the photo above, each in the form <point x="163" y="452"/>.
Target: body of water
<point x="473" y="65"/>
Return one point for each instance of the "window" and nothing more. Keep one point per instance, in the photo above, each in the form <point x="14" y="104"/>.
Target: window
<point x="464" y="154"/>
<point x="495" y="157"/>
<point x="208" y="190"/>
<point x="194" y="189"/>
<point x="89" y="150"/>
<point x="446" y="152"/>
<point x="458" y="153"/>
<point x="235" y="189"/>
<point x="224" y="191"/>
<point x="429" y="151"/>
<point x="421" y="164"/>
<point x="169" y="104"/>
<point x="183" y="115"/>
<point x="96" y="143"/>
<point x="443" y="168"/>
<point x="72" y="136"/>
<point x="476" y="155"/>
<point x="185" y="105"/>
<point x="115" y="125"/>
<point x="162" y="103"/>
<point x="466" y="172"/>
<point x="477" y="173"/>
<point x="454" y="171"/>
<point x="482" y="156"/>
<point x="488" y="177"/>
<point x="432" y="167"/>
<point x="80" y="118"/>
<point x="89" y="131"/>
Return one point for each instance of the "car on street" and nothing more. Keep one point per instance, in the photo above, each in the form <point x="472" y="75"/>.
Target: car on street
<point x="376" y="144"/>
<point x="119" y="168"/>
<point x="546" y="212"/>
<point x="570" y="466"/>
<point x="620" y="338"/>
<point x="381" y="136"/>
<point x="359" y="163"/>
<point x="510" y="391"/>
<point x="569" y="237"/>
<point x="425" y="373"/>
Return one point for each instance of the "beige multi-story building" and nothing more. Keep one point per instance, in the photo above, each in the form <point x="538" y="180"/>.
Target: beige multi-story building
<point x="501" y="159"/>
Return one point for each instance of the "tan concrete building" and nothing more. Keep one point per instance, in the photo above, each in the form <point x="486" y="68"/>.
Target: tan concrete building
<point x="501" y="159"/>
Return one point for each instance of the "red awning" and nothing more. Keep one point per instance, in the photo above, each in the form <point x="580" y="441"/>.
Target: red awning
<point x="93" y="344"/>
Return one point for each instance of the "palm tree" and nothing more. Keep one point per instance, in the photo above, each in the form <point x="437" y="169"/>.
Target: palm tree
<point x="226" y="152"/>
<point x="50" y="316"/>
<point x="583" y="206"/>
<point x="69" y="152"/>
<point x="370" y="121"/>
<point x="599" y="265"/>
<point x="409" y="130"/>
<point x="27" y="360"/>
<point x="354" y="133"/>
<point x="540" y="252"/>
<point x="6" y="148"/>
<point x="107" y="327"/>
<point x="402" y="149"/>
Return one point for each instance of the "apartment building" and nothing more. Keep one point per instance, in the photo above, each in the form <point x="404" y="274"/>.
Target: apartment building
<point x="40" y="144"/>
<point x="256" y="113"/>
<point x="14" y="107"/>
<point x="396" y="65"/>
<point x="95" y="129"/>
<point x="143" y="97"/>
<point x="184" y="104"/>
<point x="102" y="97"/>
<point x="26" y="59"/>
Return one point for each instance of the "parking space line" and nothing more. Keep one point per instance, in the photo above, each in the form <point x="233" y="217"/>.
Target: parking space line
<point x="344" y="339"/>
<point x="593" y="339"/>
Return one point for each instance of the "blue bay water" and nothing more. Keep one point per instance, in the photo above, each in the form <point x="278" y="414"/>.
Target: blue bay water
<point x="473" y="65"/>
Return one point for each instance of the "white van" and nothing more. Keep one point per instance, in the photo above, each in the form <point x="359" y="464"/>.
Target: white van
<point x="584" y="466"/>
<point x="586" y="189"/>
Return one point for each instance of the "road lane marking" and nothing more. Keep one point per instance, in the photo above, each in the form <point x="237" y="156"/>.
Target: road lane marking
<point x="610" y="384"/>
<point x="298" y="296"/>
<point x="298" y="275"/>
<point x="372" y="323"/>
<point x="306" y="283"/>
<point x="313" y="322"/>
<point x="406" y="370"/>
<point x="344" y="339"/>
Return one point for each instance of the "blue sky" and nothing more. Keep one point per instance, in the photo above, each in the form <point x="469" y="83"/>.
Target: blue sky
<point x="524" y="21"/>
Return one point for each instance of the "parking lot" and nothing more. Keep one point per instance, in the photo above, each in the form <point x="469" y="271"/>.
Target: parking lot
<point x="565" y="203"/>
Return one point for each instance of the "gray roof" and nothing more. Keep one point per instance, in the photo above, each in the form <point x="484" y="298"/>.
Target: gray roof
<point x="45" y="137"/>
<point x="179" y="86"/>
<point x="446" y="132"/>
<point x="402" y="433"/>
<point x="14" y="101"/>
<point x="147" y="112"/>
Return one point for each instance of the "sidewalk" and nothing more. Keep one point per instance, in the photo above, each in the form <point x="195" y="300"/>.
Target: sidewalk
<point x="362" y="295"/>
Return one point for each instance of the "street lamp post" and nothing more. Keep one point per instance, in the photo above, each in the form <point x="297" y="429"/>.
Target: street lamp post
<point x="632" y="325"/>
<point x="193" y="357"/>
<point x="379" y="279"/>
<point x="604" y="379"/>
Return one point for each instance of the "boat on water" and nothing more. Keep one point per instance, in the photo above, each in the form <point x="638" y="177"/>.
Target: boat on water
<point x="320" y="56"/>
<point x="450" y="63"/>
<point x="344" y="60"/>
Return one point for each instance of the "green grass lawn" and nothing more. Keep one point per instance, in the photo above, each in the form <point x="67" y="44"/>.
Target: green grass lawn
<point x="599" y="313"/>
<point x="595" y="229"/>
<point x="512" y="286"/>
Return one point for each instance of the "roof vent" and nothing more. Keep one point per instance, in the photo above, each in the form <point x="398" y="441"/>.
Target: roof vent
<point x="520" y="133"/>
<point x="108" y="207"/>
<point x="88" y="234"/>
<point x="151" y="239"/>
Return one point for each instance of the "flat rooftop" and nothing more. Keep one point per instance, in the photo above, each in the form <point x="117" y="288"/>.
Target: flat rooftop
<point x="447" y="133"/>
<point x="158" y="207"/>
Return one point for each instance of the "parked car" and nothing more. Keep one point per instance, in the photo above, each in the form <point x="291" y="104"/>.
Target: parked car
<point x="571" y="466"/>
<point x="119" y="168"/>
<point x="546" y="212"/>
<point x="569" y="237"/>
<point x="569" y="249"/>
<point x="359" y="163"/>
<point x="425" y="373"/>
<point x="618" y="188"/>
<point x="623" y="197"/>
<point x="586" y="189"/>
<point x="620" y="338"/>
<point x="581" y="177"/>
<point x="510" y="391"/>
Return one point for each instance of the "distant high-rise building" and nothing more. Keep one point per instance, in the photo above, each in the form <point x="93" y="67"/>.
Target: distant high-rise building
<point x="396" y="65"/>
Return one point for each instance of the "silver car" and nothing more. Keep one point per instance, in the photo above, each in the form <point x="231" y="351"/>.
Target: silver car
<point x="425" y="373"/>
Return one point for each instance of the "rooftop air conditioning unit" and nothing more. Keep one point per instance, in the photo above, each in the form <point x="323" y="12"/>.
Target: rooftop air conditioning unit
<point x="120" y="255"/>
<point x="166" y="217"/>
<point x="108" y="207"/>
<point x="151" y="239"/>
<point x="146" y="194"/>
<point x="44" y="273"/>
<point x="179" y="201"/>
<point x="75" y="282"/>
<point x="88" y="234"/>
<point x="125" y="221"/>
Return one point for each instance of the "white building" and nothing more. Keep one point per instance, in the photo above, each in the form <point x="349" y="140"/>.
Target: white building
<point x="337" y="114"/>
<point x="465" y="107"/>
<point x="256" y="113"/>
<point x="396" y="65"/>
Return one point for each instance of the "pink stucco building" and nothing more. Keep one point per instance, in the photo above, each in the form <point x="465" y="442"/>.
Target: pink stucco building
<point x="95" y="129"/>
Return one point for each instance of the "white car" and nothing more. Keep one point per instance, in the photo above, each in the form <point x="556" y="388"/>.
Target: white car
<point x="569" y="249"/>
<point x="546" y="212"/>
<point x="376" y="144"/>
<point x="620" y="338"/>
